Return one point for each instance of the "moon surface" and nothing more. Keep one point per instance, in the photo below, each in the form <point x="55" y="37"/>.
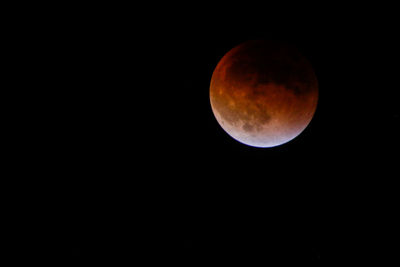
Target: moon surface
<point x="263" y="93"/>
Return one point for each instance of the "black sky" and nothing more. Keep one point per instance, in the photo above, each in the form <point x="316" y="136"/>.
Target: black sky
<point x="152" y="176"/>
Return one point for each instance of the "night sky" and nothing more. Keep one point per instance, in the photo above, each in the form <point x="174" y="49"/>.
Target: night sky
<point x="154" y="180"/>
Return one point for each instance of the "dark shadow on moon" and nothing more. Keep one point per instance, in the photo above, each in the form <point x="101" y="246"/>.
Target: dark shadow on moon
<point x="260" y="63"/>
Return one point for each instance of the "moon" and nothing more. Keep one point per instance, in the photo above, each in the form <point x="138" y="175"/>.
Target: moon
<point x="264" y="93"/>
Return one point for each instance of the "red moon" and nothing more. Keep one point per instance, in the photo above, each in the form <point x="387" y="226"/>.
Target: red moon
<point x="264" y="93"/>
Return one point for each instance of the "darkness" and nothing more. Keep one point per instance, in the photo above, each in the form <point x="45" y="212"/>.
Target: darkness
<point x="150" y="177"/>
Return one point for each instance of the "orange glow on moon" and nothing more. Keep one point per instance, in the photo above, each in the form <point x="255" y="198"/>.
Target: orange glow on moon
<point x="263" y="93"/>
